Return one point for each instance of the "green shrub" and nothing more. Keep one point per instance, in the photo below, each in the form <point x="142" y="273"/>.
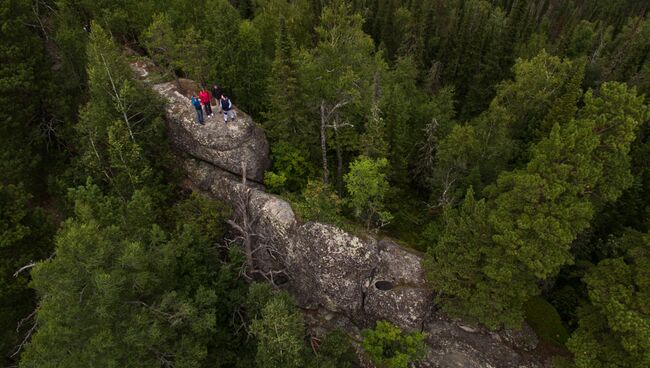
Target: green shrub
<point x="275" y="183"/>
<point x="319" y="203"/>
<point x="389" y="347"/>
<point x="367" y="186"/>
<point x="290" y="169"/>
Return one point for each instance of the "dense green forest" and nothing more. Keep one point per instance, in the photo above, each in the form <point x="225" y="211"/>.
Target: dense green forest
<point x="506" y="139"/>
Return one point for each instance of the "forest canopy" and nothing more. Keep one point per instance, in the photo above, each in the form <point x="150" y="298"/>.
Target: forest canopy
<point x="506" y="140"/>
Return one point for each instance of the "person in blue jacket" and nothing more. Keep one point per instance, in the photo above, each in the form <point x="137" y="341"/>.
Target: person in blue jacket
<point x="196" y="102"/>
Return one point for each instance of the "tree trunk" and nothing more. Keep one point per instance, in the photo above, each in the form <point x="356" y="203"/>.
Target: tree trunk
<point x="323" y="142"/>
<point x="178" y="81"/>
<point x="339" y="166"/>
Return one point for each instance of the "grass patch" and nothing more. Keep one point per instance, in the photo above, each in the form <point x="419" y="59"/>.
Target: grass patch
<point x="545" y="321"/>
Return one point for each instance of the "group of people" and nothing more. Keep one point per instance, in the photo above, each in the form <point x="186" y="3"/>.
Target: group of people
<point x="204" y="101"/>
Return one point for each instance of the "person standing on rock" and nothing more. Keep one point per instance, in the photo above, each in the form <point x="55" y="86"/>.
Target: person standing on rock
<point x="217" y="93"/>
<point x="196" y="102"/>
<point x="226" y="106"/>
<point x="204" y="96"/>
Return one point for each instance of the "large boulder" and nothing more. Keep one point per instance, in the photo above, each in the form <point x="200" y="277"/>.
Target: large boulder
<point x="225" y="145"/>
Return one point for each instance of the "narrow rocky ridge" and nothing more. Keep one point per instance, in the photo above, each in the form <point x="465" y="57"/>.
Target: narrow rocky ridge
<point x="339" y="279"/>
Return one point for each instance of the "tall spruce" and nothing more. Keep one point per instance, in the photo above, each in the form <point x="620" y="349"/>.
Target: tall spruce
<point x="535" y="213"/>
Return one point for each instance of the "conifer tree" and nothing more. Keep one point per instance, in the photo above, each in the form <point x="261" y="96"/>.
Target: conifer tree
<point x="192" y="50"/>
<point x="160" y="41"/>
<point x="22" y="80"/>
<point x="614" y="327"/>
<point x="283" y="90"/>
<point x="534" y="214"/>
<point x="279" y="332"/>
<point x="338" y="70"/>
<point x="251" y="69"/>
<point x="120" y="128"/>
<point x="124" y="291"/>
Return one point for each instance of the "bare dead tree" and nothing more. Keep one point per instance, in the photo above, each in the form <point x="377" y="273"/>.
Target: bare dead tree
<point x="165" y="359"/>
<point x="426" y="151"/>
<point x="326" y="115"/>
<point x="254" y="239"/>
<point x="336" y="125"/>
<point x="446" y="199"/>
<point x="30" y="265"/>
<point x="28" y="335"/>
<point x="23" y="268"/>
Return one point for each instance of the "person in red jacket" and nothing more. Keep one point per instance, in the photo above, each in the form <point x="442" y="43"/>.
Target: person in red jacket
<point x="205" y="98"/>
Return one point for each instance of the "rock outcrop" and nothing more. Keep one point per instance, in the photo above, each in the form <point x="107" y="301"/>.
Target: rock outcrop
<point x="224" y="145"/>
<point x="339" y="279"/>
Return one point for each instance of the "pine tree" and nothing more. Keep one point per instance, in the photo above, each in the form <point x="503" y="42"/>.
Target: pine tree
<point x="283" y="90"/>
<point x="121" y="126"/>
<point x="22" y="80"/>
<point x="123" y="290"/>
<point x="251" y="68"/>
<point x="614" y="327"/>
<point x="160" y="41"/>
<point x="221" y="55"/>
<point x="534" y="214"/>
<point x="565" y="105"/>
<point x="618" y="112"/>
<point x="279" y="332"/>
<point x="192" y="50"/>
<point x="399" y="101"/>
<point x="338" y="71"/>
<point x="373" y="140"/>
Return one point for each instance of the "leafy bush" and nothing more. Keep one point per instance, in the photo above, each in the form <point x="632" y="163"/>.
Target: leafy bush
<point x="319" y="203"/>
<point x="367" y="185"/>
<point x="274" y="182"/>
<point x="389" y="347"/>
<point x="290" y="169"/>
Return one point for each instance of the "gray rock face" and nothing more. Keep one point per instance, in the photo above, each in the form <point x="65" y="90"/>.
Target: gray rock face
<point x="397" y="291"/>
<point x="455" y="345"/>
<point x="226" y="146"/>
<point x="330" y="268"/>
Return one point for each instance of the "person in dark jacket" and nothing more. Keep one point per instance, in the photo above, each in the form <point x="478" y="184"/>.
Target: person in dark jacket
<point x="217" y="93"/>
<point x="226" y="106"/>
<point x="196" y="102"/>
<point x="204" y="96"/>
